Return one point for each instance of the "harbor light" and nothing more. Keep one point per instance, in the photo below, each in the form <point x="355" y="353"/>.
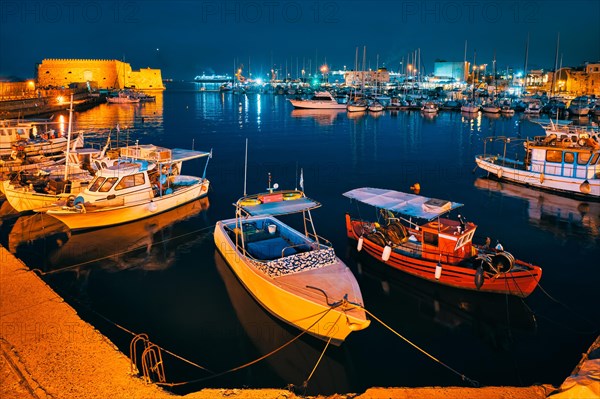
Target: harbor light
<point x="60" y="99"/>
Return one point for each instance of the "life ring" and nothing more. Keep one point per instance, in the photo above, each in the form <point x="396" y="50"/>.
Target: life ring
<point x="434" y="225"/>
<point x="71" y="200"/>
<point x="249" y="202"/>
<point x="292" y="196"/>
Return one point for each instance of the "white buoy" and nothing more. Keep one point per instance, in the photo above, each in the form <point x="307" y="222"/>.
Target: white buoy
<point x="359" y="245"/>
<point x="152" y="206"/>
<point x="387" y="251"/>
<point x="438" y="271"/>
<point x="499" y="173"/>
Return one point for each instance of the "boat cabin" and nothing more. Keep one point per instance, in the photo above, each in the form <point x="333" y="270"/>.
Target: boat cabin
<point x="564" y="156"/>
<point x="447" y="241"/>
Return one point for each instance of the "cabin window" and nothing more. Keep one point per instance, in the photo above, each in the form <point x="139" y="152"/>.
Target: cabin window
<point x="583" y="157"/>
<point x="430" y="238"/>
<point x="569" y="157"/>
<point x="131" y="181"/>
<point x="554" y="156"/>
<point x="594" y="159"/>
<point x="97" y="183"/>
<point x="107" y="185"/>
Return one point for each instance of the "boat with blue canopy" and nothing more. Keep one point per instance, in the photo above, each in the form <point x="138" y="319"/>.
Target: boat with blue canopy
<point x="296" y="276"/>
<point x="414" y="234"/>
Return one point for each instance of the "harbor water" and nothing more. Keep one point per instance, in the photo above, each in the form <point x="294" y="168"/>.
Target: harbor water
<point x="162" y="276"/>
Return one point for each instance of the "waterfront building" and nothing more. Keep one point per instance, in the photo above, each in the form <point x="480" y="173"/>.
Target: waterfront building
<point x="455" y="71"/>
<point x="370" y="78"/>
<point x="107" y="74"/>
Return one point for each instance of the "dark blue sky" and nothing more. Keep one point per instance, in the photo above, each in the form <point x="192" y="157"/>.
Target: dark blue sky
<point x="186" y="38"/>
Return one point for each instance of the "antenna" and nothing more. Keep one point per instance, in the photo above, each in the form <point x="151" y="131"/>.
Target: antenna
<point x="245" y="166"/>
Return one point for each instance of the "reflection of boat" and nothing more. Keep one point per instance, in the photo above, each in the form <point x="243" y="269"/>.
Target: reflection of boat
<point x="493" y="319"/>
<point x="115" y="244"/>
<point x="568" y="165"/>
<point x="412" y="236"/>
<point x="146" y="185"/>
<point x="294" y="363"/>
<point x="29" y="228"/>
<point x="550" y="211"/>
<point x="296" y="276"/>
<point x="322" y="116"/>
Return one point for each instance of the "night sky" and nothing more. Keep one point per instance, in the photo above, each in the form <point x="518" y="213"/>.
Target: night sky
<point x="187" y="38"/>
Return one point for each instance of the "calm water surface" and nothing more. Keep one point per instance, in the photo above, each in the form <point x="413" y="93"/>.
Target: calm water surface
<point x="163" y="277"/>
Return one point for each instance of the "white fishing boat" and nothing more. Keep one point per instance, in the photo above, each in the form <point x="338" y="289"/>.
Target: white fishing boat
<point x="320" y="100"/>
<point x="357" y="106"/>
<point x="469" y="108"/>
<point x="51" y="184"/>
<point x="21" y="139"/>
<point x="533" y="108"/>
<point x="507" y="110"/>
<point x="375" y="106"/>
<point x="295" y="276"/>
<point x="579" y="106"/>
<point x="568" y="165"/>
<point x="123" y="98"/>
<point x="430" y="108"/>
<point x="145" y="182"/>
<point x="490" y="108"/>
<point x="48" y="185"/>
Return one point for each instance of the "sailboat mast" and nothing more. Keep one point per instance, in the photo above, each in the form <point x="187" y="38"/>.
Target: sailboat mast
<point x="69" y="130"/>
<point x="555" y="65"/>
<point x="526" y="59"/>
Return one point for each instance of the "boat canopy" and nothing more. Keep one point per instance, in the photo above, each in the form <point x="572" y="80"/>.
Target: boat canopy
<point x="279" y="207"/>
<point x="406" y="204"/>
<point x="180" y="155"/>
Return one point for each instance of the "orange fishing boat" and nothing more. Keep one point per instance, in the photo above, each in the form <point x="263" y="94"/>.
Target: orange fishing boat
<point x="415" y="235"/>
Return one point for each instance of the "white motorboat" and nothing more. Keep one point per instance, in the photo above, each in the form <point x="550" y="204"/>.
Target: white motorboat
<point x="320" y="100"/>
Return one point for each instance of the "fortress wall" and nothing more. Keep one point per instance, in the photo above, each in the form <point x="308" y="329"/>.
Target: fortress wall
<point x="108" y="74"/>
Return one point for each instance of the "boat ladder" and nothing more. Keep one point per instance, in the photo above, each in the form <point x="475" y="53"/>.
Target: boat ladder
<point x="153" y="368"/>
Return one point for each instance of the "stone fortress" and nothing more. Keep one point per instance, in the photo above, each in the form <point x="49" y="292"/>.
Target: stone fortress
<point x="103" y="74"/>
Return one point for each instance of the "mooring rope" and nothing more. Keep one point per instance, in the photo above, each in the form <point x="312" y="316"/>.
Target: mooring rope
<point x="567" y="307"/>
<point x="305" y="383"/>
<point x="250" y="363"/>
<point x="474" y="383"/>
<point x="42" y="273"/>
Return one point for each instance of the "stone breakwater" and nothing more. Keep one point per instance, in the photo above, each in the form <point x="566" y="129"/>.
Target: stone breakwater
<point x="48" y="351"/>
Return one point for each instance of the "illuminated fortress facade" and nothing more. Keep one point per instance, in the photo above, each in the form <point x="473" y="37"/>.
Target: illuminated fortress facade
<point x="106" y="74"/>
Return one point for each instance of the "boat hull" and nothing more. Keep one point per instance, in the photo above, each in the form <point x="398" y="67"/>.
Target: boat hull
<point x="518" y="283"/>
<point x="308" y="104"/>
<point x="296" y="305"/>
<point x="554" y="183"/>
<point x="24" y="199"/>
<point x="96" y="217"/>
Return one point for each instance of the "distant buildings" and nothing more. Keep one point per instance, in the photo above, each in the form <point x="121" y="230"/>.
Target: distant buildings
<point x="370" y="78"/>
<point x="451" y="71"/>
<point x="104" y="74"/>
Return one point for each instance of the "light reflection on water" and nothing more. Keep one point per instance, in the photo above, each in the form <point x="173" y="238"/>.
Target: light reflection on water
<point x="188" y="303"/>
